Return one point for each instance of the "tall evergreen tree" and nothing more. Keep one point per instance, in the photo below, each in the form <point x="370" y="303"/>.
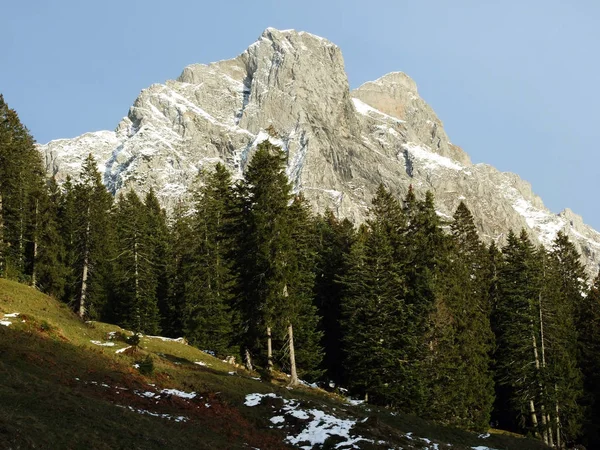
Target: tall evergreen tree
<point x="381" y="342"/>
<point x="50" y="268"/>
<point x="568" y="287"/>
<point x="21" y="182"/>
<point x="91" y="241"/>
<point x="537" y="338"/>
<point x="299" y="315"/>
<point x="588" y="325"/>
<point x="461" y="382"/>
<point x="334" y="238"/>
<point x="266" y="258"/>
<point x="136" y="282"/>
<point x="209" y="288"/>
<point x="160" y="255"/>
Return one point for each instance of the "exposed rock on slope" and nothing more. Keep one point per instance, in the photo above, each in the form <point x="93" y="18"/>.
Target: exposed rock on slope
<point x="341" y="144"/>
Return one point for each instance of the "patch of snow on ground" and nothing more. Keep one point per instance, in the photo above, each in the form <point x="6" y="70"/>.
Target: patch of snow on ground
<point x="318" y="428"/>
<point x="11" y="315"/>
<point x="103" y="344"/>
<point x="430" y="159"/>
<point x="121" y="350"/>
<point x="150" y="413"/>
<point x="354" y="402"/>
<point x="255" y="399"/>
<point x="179" y="393"/>
<point x="166" y="339"/>
<point x="5" y="322"/>
<point x="200" y="363"/>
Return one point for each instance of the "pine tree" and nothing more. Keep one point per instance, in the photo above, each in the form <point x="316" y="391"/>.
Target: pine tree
<point x="160" y="255"/>
<point x="209" y="288"/>
<point x="569" y="277"/>
<point x="334" y="239"/>
<point x="517" y="324"/>
<point x="91" y="241"/>
<point x="50" y="269"/>
<point x="380" y="338"/>
<point x="178" y="272"/>
<point x="461" y="380"/>
<point x="299" y="314"/>
<point x="588" y="325"/>
<point x="266" y="259"/>
<point x="136" y="282"/>
<point x="21" y="182"/>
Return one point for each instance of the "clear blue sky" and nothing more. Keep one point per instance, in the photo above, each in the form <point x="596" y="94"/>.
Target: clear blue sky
<point x="515" y="82"/>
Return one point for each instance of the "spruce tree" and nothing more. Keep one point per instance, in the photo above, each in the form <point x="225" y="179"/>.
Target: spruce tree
<point x="211" y="278"/>
<point x="50" y="269"/>
<point x="299" y="315"/>
<point x="461" y="381"/>
<point x="588" y="325"/>
<point x="92" y="241"/>
<point x="136" y="282"/>
<point x="380" y="338"/>
<point x="21" y="182"/>
<point x="333" y="240"/>
<point x="267" y="262"/>
<point x="569" y="287"/>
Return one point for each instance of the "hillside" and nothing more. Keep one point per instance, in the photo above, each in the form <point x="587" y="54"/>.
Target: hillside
<point x="69" y="384"/>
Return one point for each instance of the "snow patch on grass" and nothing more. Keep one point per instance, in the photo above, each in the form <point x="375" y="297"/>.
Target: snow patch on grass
<point x="153" y="414"/>
<point x="318" y="425"/>
<point x="103" y="344"/>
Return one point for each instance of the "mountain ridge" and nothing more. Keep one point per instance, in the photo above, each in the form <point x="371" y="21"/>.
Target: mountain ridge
<point x="291" y="87"/>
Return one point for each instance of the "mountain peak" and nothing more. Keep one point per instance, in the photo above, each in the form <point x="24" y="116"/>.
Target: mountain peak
<point x="340" y="144"/>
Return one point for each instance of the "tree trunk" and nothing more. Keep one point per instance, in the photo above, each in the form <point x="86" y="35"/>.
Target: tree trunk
<point x="294" y="374"/>
<point x="136" y="272"/>
<point x="269" y="350"/>
<point x="546" y="432"/>
<point x="35" y="244"/>
<point x="248" y="360"/>
<point x="86" y="262"/>
<point x="557" y="421"/>
<point x="533" y="416"/>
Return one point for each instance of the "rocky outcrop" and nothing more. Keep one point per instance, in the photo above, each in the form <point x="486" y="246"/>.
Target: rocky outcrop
<point x="291" y="88"/>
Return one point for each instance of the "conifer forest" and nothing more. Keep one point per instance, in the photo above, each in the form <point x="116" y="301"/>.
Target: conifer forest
<point x="409" y="310"/>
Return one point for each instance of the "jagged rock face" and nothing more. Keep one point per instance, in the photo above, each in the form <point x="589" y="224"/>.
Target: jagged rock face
<point x="340" y="144"/>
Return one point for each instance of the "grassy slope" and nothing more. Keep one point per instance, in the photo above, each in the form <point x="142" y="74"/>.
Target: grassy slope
<point x="59" y="390"/>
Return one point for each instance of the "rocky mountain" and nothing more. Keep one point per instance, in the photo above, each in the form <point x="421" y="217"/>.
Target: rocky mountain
<point x="291" y="88"/>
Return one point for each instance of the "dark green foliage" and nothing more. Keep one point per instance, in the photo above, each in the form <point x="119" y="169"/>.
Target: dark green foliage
<point x="90" y="241"/>
<point x="50" y="269"/>
<point x="537" y="339"/>
<point x="382" y="338"/>
<point x="136" y="282"/>
<point x="210" y="277"/>
<point x="588" y="326"/>
<point x="21" y="185"/>
<point x="333" y="241"/>
<point x="274" y="260"/>
<point x="461" y="384"/>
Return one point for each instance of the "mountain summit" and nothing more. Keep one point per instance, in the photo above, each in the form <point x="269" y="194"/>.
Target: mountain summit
<point x="291" y="88"/>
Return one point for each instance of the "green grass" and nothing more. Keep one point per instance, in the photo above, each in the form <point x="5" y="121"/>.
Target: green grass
<point x="59" y="390"/>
